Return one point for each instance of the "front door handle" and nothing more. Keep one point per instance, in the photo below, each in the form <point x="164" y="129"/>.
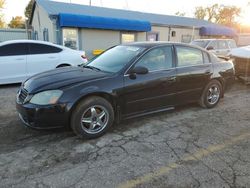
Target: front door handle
<point x="172" y="79"/>
<point x="207" y="72"/>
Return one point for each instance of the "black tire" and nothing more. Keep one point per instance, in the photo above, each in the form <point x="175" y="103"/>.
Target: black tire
<point x="205" y="102"/>
<point x="84" y="109"/>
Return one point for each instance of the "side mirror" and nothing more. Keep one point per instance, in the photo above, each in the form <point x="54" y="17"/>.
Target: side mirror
<point x="139" y="70"/>
<point x="210" y="48"/>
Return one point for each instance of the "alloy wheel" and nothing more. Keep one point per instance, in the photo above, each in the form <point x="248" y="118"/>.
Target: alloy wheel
<point x="94" y="119"/>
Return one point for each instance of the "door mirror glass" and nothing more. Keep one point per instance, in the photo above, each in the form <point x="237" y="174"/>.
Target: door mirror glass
<point x="210" y="48"/>
<point x="139" y="70"/>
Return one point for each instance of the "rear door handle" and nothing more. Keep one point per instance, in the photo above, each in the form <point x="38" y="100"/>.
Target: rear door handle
<point x="19" y="59"/>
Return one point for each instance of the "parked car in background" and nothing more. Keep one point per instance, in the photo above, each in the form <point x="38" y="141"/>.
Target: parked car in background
<point x="241" y="60"/>
<point x="220" y="47"/>
<point x="20" y="59"/>
<point x="125" y="81"/>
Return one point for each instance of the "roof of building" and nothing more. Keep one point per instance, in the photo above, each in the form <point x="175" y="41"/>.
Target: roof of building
<point x="55" y="8"/>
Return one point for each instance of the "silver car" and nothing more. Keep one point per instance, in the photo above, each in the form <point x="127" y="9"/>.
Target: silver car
<point x="220" y="47"/>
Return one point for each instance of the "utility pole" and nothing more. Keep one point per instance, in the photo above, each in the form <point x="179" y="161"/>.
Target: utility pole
<point x="89" y="2"/>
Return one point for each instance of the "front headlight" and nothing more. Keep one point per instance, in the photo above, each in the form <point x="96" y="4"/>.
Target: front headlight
<point x="46" y="97"/>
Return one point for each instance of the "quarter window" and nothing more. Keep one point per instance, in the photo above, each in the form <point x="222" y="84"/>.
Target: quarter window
<point x="13" y="49"/>
<point x="206" y="58"/>
<point x="188" y="56"/>
<point x="157" y="59"/>
<point x="43" y="49"/>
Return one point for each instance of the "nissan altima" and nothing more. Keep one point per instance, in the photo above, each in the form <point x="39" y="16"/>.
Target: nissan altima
<point x="126" y="81"/>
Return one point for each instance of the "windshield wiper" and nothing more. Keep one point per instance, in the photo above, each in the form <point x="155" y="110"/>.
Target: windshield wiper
<point x="91" y="67"/>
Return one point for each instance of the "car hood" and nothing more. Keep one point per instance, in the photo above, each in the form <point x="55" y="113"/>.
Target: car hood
<point x="61" y="77"/>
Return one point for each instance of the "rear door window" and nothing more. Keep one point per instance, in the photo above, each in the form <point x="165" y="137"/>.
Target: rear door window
<point x="13" y="49"/>
<point x="42" y="49"/>
<point x="187" y="56"/>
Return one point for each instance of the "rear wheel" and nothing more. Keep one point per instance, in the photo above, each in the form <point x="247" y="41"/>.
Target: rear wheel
<point x="92" y="117"/>
<point x="211" y="94"/>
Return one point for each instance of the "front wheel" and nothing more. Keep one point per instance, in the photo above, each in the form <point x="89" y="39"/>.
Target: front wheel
<point x="211" y="94"/>
<point x="92" y="117"/>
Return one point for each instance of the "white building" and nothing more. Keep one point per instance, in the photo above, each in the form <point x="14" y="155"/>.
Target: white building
<point x="92" y="28"/>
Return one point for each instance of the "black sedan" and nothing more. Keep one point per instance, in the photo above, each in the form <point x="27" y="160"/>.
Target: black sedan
<point x="126" y="81"/>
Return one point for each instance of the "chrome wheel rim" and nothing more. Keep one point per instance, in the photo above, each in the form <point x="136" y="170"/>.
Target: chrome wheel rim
<point x="94" y="119"/>
<point x="213" y="94"/>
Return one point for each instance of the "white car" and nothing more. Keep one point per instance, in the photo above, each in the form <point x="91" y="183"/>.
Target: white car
<point x="20" y="59"/>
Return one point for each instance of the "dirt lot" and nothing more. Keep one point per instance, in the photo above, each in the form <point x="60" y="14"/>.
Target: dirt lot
<point x="189" y="147"/>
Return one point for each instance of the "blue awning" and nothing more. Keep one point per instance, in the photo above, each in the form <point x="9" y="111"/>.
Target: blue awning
<point x="217" y="30"/>
<point x="83" y="21"/>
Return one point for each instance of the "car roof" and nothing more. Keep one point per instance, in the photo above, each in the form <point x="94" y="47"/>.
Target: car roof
<point x="210" y="39"/>
<point x="31" y="41"/>
<point x="150" y="44"/>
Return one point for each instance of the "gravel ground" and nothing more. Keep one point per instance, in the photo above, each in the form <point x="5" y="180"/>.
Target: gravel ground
<point x="188" y="147"/>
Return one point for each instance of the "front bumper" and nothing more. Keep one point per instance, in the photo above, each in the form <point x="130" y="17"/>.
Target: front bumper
<point x="43" y="117"/>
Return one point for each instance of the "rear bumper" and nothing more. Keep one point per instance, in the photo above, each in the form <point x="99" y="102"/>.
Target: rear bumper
<point x="43" y="117"/>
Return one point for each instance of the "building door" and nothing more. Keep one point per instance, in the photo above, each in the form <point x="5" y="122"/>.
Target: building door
<point x="152" y="36"/>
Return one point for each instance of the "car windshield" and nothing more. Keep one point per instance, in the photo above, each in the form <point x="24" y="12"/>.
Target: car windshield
<point x="200" y="43"/>
<point x="116" y="58"/>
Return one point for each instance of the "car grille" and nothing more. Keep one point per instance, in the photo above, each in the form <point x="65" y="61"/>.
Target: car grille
<point x="22" y="95"/>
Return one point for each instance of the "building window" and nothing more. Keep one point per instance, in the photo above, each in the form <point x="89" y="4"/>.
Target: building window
<point x="35" y="35"/>
<point x="45" y="34"/>
<point x="186" y="38"/>
<point x="127" y="37"/>
<point x="152" y="36"/>
<point x="70" y="38"/>
<point x="173" y="33"/>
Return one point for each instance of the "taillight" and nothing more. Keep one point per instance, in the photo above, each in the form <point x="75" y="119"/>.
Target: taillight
<point x="84" y="57"/>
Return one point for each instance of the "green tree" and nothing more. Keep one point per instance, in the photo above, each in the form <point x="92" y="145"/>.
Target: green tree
<point x="228" y="15"/>
<point x="2" y="23"/>
<point x="17" y="22"/>
<point x="212" y="12"/>
<point x="225" y="15"/>
<point x="180" y="13"/>
<point x="200" y="13"/>
<point x="28" y="9"/>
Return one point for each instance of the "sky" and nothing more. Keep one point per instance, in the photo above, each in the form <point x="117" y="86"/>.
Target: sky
<point x="169" y="7"/>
